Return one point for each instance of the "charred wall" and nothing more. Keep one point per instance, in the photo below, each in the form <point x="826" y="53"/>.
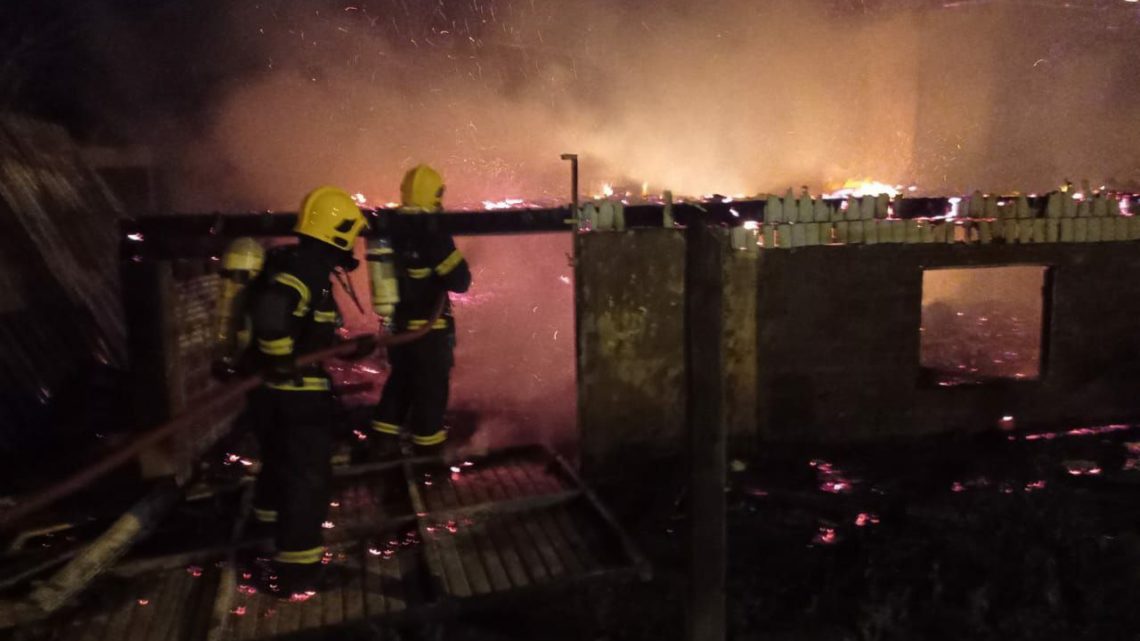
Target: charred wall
<point x="838" y="341"/>
<point x="822" y="343"/>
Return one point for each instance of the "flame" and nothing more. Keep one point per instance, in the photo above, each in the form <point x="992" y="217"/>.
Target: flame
<point x="866" y="187"/>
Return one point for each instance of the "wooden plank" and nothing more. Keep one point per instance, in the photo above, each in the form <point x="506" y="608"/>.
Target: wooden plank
<point x="527" y="551"/>
<point x="501" y="539"/>
<point x="529" y="474"/>
<point x="401" y="583"/>
<point x="145" y="604"/>
<point x="291" y="614"/>
<point x="312" y="611"/>
<point x="196" y="625"/>
<point x="438" y="578"/>
<point x="125" y="609"/>
<point x="176" y="625"/>
<point x="374" y="605"/>
<point x="465" y="542"/>
<point x="333" y="603"/>
<point x="267" y="614"/>
<point x="496" y="572"/>
<point x="571" y="530"/>
<point x="533" y="530"/>
<point x="96" y="623"/>
<point x="644" y="569"/>
<point x="354" y="589"/>
<point x="163" y="607"/>
<point x="247" y="613"/>
<point x="704" y="304"/>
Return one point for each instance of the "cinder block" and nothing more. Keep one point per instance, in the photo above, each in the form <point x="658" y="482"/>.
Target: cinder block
<point x="1068" y="230"/>
<point x="1053" y="206"/>
<point x="867" y="208"/>
<point x="1133" y="228"/>
<point x="835" y="212"/>
<point x="1081" y="230"/>
<point x="807" y="208"/>
<point x="1021" y="205"/>
<point x="1009" y="230"/>
<point x="811" y="234"/>
<point x="1083" y="209"/>
<point x="1024" y="231"/>
<point x="1039" y="233"/>
<point x="1052" y="231"/>
<point x="927" y="231"/>
<point x="799" y="235"/>
<point x="784" y="236"/>
<point x="769" y="231"/>
<point x="913" y="231"/>
<point x="854" y="210"/>
<point x="985" y="235"/>
<point x="1122" y="229"/>
<point x="939" y="233"/>
<point x="1095" y="227"/>
<point x="1068" y="205"/>
<point x="774" y="210"/>
<point x="1107" y="229"/>
<point x="820" y="211"/>
<point x="1099" y="206"/>
<point x="870" y="231"/>
<point x="882" y="206"/>
<point x="841" y="236"/>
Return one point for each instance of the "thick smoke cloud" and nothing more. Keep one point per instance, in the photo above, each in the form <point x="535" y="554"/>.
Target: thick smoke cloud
<point x="726" y="96"/>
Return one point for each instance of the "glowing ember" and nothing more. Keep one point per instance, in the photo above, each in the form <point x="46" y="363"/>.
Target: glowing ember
<point x="1034" y="486"/>
<point x="334" y="503"/>
<point x="239" y="611"/>
<point x="866" y="518"/>
<point x="507" y="203"/>
<point x="247" y="589"/>
<point x="860" y="188"/>
<point x="328" y="525"/>
<point x="1082" y="468"/>
<point x="301" y="597"/>
<point x="194" y="571"/>
<point x="826" y="536"/>
<point x="144" y="601"/>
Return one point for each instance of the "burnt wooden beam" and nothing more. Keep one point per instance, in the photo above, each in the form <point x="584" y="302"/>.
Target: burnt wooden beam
<point x="704" y="328"/>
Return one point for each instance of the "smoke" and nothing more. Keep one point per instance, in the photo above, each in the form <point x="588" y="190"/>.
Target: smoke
<point x="726" y="96"/>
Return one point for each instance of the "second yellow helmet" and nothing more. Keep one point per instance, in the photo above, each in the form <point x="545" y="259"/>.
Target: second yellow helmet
<point x="422" y="190"/>
<point x="332" y="216"/>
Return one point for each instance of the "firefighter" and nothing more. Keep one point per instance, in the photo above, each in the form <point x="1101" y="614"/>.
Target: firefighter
<point x="293" y="312"/>
<point x="428" y="266"/>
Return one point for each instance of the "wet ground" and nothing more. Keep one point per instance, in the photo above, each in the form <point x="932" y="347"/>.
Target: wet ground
<point x="999" y="536"/>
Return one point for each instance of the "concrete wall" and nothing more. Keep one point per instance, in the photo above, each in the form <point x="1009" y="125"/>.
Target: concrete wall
<point x="822" y="343"/>
<point x="630" y="302"/>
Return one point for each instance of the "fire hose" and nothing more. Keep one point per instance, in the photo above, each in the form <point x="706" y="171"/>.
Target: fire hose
<point x="201" y="407"/>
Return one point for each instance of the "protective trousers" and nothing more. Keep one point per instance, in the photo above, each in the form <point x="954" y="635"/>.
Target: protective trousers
<point x="294" y="429"/>
<point x="415" y="395"/>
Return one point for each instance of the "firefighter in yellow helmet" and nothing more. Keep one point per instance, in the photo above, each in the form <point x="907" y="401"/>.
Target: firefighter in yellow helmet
<point x="293" y="312"/>
<point x="428" y="267"/>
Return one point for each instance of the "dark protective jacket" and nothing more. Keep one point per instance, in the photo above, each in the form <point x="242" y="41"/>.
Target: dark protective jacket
<point x="294" y="312"/>
<point x="428" y="265"/>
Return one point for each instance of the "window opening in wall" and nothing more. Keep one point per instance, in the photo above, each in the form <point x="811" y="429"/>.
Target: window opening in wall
<point x="982" y="324"/>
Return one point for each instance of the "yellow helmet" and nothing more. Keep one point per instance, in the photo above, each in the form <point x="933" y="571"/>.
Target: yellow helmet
<point x="244" y="255"/>
<point x="422" y="190"/>
<point x="332" y="216"/>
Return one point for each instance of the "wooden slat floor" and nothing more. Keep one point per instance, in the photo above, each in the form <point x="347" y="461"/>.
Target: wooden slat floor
<point x="414" y="543"/>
